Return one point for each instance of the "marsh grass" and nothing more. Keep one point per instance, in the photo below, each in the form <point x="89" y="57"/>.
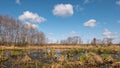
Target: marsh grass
<point x="88" y="57"/>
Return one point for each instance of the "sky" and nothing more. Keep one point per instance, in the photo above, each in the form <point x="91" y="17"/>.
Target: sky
<point x="59" y="19"/>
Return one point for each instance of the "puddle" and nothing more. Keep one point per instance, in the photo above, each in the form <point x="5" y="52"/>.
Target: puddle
<point x="44" y="57"/>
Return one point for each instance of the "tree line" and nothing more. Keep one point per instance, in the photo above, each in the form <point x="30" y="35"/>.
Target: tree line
<point x="17" y="33"/>
<point x="14" y="32"/>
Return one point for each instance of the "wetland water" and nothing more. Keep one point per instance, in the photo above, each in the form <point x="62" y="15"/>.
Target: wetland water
<point x="47" y="57"/>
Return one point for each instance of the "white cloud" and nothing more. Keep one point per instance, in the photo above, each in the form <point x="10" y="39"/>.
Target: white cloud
<point x="51" y="33"/>
<point x="109" y="34"/>
<point x="29" y="25"/>
<point x="118" y="21"/>
<point x="90" y="23"/>
<point x="63" y="10"/>
<point x="118" y="2"/>
<point x="86" y="1"/>
<point x="31" y="17"/>
<point x="90" y="1"/>
<point x="78" y="8"/>
<point x="73" y="33"/>
<point x="64" y="35"/>
<point x="18" y="2"/>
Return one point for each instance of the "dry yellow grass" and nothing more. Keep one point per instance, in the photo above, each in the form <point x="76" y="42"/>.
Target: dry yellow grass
<point x="59" y="47"/>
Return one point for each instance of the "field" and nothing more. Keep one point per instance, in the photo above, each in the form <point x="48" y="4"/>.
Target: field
<point x="60" y="56"/>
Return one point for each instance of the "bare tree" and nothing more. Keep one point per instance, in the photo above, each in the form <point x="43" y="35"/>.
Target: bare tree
<point x="72" y="40"/>
<point x="41" y="39"/>
<point x="107" y="41"/>
<point x="14" y="32"/>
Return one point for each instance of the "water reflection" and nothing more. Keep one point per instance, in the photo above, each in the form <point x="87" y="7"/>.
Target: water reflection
<point x="47" y="56"/>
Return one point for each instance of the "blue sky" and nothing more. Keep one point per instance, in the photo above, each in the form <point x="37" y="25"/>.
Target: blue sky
<point x="59" y="19"/>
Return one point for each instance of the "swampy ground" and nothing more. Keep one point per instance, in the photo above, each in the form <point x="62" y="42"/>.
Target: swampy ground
<point x="60" y="56"/>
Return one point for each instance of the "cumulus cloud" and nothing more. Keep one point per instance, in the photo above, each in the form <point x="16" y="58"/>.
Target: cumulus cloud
<point x="109" y="34"/>
<point x="29" y="25"/>
<point x="118" y="2"/>
<point x="63" y="10"/>
<point x="18" y="2"/>
<point x="31" y="17"/>
<point x="90" y="23"/>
